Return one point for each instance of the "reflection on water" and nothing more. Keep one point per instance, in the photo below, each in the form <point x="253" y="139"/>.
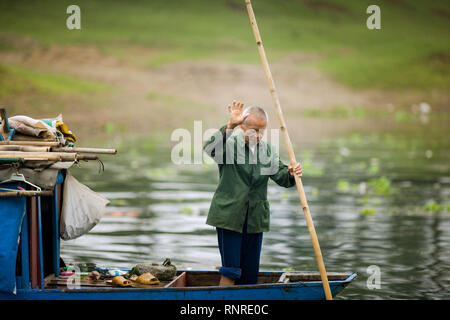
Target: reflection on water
<point x="380" y="199"/>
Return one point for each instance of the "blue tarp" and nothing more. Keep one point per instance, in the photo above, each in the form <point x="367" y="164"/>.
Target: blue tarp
<point x="12" y="211"/>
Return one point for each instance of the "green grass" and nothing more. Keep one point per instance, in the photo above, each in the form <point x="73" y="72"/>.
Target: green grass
<point x="16" y="80"/>
<point x="411" y="51"/>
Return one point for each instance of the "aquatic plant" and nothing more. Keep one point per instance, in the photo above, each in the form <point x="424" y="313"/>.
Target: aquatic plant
<point x="186" y="210"/>
<point x="433" y="206"/>
<point x="311" y="168"/>
<point x="368" y="211"/>
<point x="381" y="186"/>
<point x="288" y="269"/>
<point x="343" y="185"/>
<point x="117" y="202"/>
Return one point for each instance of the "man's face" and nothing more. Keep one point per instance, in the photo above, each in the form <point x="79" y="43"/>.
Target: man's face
<point x="253" y="129"/>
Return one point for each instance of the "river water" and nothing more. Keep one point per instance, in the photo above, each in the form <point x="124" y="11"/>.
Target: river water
<point x="377" y="199"/>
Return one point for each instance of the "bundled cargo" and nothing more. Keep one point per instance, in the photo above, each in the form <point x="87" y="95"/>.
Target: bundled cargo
<point x="38" y="149"/>
<point x="37" y="192"/>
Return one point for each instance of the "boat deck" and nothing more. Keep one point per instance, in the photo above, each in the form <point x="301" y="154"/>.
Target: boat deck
<point x="194" y="279"/>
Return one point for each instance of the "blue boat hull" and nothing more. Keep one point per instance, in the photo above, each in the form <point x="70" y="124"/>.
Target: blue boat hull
<point x="308" y="290"/>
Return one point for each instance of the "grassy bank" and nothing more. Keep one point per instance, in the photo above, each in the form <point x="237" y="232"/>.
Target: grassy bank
<point x="18" y="80"/>
<point x="411" y="51"/>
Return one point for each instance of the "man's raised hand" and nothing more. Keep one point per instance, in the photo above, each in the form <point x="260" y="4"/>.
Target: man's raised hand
<point x="236" y="117"/>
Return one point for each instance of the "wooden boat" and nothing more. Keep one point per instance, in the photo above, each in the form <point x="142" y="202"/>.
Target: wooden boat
<point x="191" y="285"/>
<point x="36" y="274"/>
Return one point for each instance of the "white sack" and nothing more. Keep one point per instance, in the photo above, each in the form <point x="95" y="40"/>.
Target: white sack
<point x="82" y="209"/>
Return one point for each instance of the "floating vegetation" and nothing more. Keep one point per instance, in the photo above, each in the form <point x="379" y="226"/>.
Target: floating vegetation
<point x="310" y="166"/>
<point x="288" y="269"/>
<point x="368" y="211"/>
<point x="186" y="210"/>
<point x="381" y="186"/>
<point x="419" y="211"/>
<point x="343" y="185"/>
<point x="117" y="202"/>
<point x="433" y="206"/>
<point x="373" y="187"/>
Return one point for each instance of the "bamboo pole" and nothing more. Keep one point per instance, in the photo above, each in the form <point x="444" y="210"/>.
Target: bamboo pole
<point x="59" y="156"/>
<point x="298" y="181"/>
<point x="51" y="156"/>
<point x="11" y="194"/>
<point x="46" y="146"/>
<point x="85" y="150"/>
<point x="24" y="148"/>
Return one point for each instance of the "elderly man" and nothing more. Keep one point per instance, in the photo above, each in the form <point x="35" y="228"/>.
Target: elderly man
<point x="239" y="209"/>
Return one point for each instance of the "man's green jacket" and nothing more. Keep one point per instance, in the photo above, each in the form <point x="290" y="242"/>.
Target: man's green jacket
<point x="243" y="179"/>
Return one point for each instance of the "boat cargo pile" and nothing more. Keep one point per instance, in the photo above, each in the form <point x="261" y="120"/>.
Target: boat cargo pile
<point x="30" y="149"/>
<point x="40" y="202"/>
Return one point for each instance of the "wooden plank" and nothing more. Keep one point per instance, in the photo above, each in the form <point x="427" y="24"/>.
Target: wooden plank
<point x="179" y="281"/>
<point x="63" y="283"/>
<point x="212" y="278"/>
<point x="195" y="279"/>
<point x="311" y="276"/>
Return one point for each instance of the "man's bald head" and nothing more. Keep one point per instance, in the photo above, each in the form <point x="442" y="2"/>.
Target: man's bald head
<point x="256" y="113"/>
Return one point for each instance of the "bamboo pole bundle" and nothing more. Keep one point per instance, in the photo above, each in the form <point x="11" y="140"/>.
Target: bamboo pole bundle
<point x="42" y="146"/>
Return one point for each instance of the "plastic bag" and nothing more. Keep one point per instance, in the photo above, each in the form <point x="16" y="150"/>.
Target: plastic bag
<point x="82" y="209"/>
